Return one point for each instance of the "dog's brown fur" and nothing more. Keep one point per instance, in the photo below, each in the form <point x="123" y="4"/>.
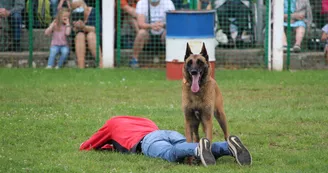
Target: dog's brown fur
<point x="200" y="103"/>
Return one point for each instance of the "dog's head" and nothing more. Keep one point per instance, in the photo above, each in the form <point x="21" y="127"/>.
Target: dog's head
<point x="196" y="68"/>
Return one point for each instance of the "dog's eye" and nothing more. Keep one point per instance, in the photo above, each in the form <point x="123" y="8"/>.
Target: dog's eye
<point x="199" y="62"/>
<point x="189" y="63"/>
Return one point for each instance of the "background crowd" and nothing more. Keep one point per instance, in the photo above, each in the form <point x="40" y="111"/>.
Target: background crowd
<point x="72" y="24"/>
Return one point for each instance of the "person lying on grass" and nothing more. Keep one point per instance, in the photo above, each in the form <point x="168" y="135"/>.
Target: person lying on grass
<point x="131" y="134"/>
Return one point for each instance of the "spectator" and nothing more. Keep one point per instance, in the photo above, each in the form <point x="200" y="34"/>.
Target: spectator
<point x="324" y="37"/>
<point x="128" y="22"/>
<point x="130" y="13"/>
<point x="324" y="11"/>
<point x="60" y="28"/>
<point x="12" y="10"/>
<point x="204" y="5"/>
<point x="55" y="6"/>
<point x="150" y="26"/>
<point x="232" y="11"/>
<point x="84" y="27"/>
<point x="140" y="135"/>
<point x="301" y="17"/>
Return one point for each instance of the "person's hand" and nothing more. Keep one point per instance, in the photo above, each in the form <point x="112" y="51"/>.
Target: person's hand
<point x="53" y="23"/>
<point x="324" y="37"/>
<point x="66" y="21"/>
<point x="79" y="25"/>
<point x="157" y="26"/>
<point x="4" y="12"/>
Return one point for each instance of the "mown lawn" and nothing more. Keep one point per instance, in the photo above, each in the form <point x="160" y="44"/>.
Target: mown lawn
<point x="282" y="117"/>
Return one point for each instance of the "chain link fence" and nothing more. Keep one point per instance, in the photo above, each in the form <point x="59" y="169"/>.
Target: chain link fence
<point x="240" y="31"/>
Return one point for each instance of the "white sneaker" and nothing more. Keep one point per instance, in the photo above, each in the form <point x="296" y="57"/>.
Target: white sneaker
<point x="48" y="67"/>
<point x="57" y="68"/>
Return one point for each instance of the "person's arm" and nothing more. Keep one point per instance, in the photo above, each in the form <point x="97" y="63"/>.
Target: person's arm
<point x="88" y="28"/>
<point x="141" y="22"/>
<point x="18" y="7"/>
<point x="60" y="4"/>
<point x="49" y="30"/>
<point x="68" y="4"/>
<point x="130" y="10"/>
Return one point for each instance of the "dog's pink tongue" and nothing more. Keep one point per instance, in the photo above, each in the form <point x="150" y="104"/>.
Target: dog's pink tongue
<point x="195" y="85"/>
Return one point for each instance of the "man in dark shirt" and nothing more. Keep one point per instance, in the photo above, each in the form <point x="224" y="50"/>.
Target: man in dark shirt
<point x="12" y="10"/>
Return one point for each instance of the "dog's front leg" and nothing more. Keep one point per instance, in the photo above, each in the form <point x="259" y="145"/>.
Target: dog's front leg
<point x="188" y="132"/>
<point x="208" y="126"/>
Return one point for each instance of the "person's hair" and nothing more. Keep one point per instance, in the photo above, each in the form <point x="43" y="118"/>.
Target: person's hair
<point x="59" y="21"/>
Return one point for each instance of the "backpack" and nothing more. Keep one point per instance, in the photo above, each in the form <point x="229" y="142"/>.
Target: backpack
<point x="43" y="15"/>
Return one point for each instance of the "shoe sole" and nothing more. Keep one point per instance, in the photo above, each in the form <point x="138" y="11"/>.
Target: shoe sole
<point x="206" y="156"/>
<point x="239" y="151"/>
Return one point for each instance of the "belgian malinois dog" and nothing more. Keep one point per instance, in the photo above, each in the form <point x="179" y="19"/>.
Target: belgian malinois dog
<point x="201" y="97"/>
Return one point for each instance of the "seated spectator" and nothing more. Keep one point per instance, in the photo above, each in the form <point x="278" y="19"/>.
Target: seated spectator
<point x="12" y="10"/>
<point x="60" y="28"/>
<point x="204" y="5"/>
<point x="324" y="37"/>
<point x="55" y="6"/>
<point x="129" y="25"/>
<point x="232" y="10"/>
<point x="84" y="27"/>
<point x="151" y="17"/>
<point x="301" y="17"/>
<point x="130" y="14"/>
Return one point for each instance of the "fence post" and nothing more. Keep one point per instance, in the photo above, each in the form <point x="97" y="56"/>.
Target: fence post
<point x="278" y="31"/>
<point x="118" y="33"/>
<point x="288" y="34"/>
<point x="108" y="8"/>
<point x="268" y="35"/>
<point x="30" y="32"/>
<point x="97" y="32"/>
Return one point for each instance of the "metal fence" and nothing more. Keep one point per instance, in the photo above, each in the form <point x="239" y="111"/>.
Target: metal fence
<point x="241" y="31"/>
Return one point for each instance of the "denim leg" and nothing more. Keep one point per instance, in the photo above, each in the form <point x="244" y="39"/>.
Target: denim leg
<point x="64" y="50"/>
<point x="54" y="50"/>
<point x="53" y="7"/>
<point x="168" y="145"/>
<point x="15" y="21"/>
<point x="220" y="149"/>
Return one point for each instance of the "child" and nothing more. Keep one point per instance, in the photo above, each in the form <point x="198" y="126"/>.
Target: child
<point x="324" y="37"/>
<point x="60" y="28"/>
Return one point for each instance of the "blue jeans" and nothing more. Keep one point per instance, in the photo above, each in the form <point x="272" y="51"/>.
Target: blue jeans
<point x="53" y="7"/>
<point x="172" y="146"/>
<point x="54" y="50"/>
<point x="15" y="22"/>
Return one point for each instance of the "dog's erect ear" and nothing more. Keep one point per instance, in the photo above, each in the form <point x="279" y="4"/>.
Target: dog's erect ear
<point x="188" y="52"/>
<point x="204" y="52"/>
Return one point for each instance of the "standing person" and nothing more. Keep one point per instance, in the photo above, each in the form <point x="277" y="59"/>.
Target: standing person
<point x="60" y="29"/>
<point x="151" y="18"/>
<point x="84" y="27"/>
<point x="301" y="18"/>
<point x="130" y="134"/>
<point x="55" y="6"/>
<point x="12" y="10"/>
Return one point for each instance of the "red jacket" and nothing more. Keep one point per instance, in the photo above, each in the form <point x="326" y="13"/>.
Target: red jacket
<point x="122" y="133"/>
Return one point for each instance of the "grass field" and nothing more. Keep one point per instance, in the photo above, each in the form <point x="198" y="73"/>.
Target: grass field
<point x="282" y="117"/>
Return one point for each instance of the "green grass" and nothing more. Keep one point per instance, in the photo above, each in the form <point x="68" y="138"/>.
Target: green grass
<point x="46" y="114"/>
